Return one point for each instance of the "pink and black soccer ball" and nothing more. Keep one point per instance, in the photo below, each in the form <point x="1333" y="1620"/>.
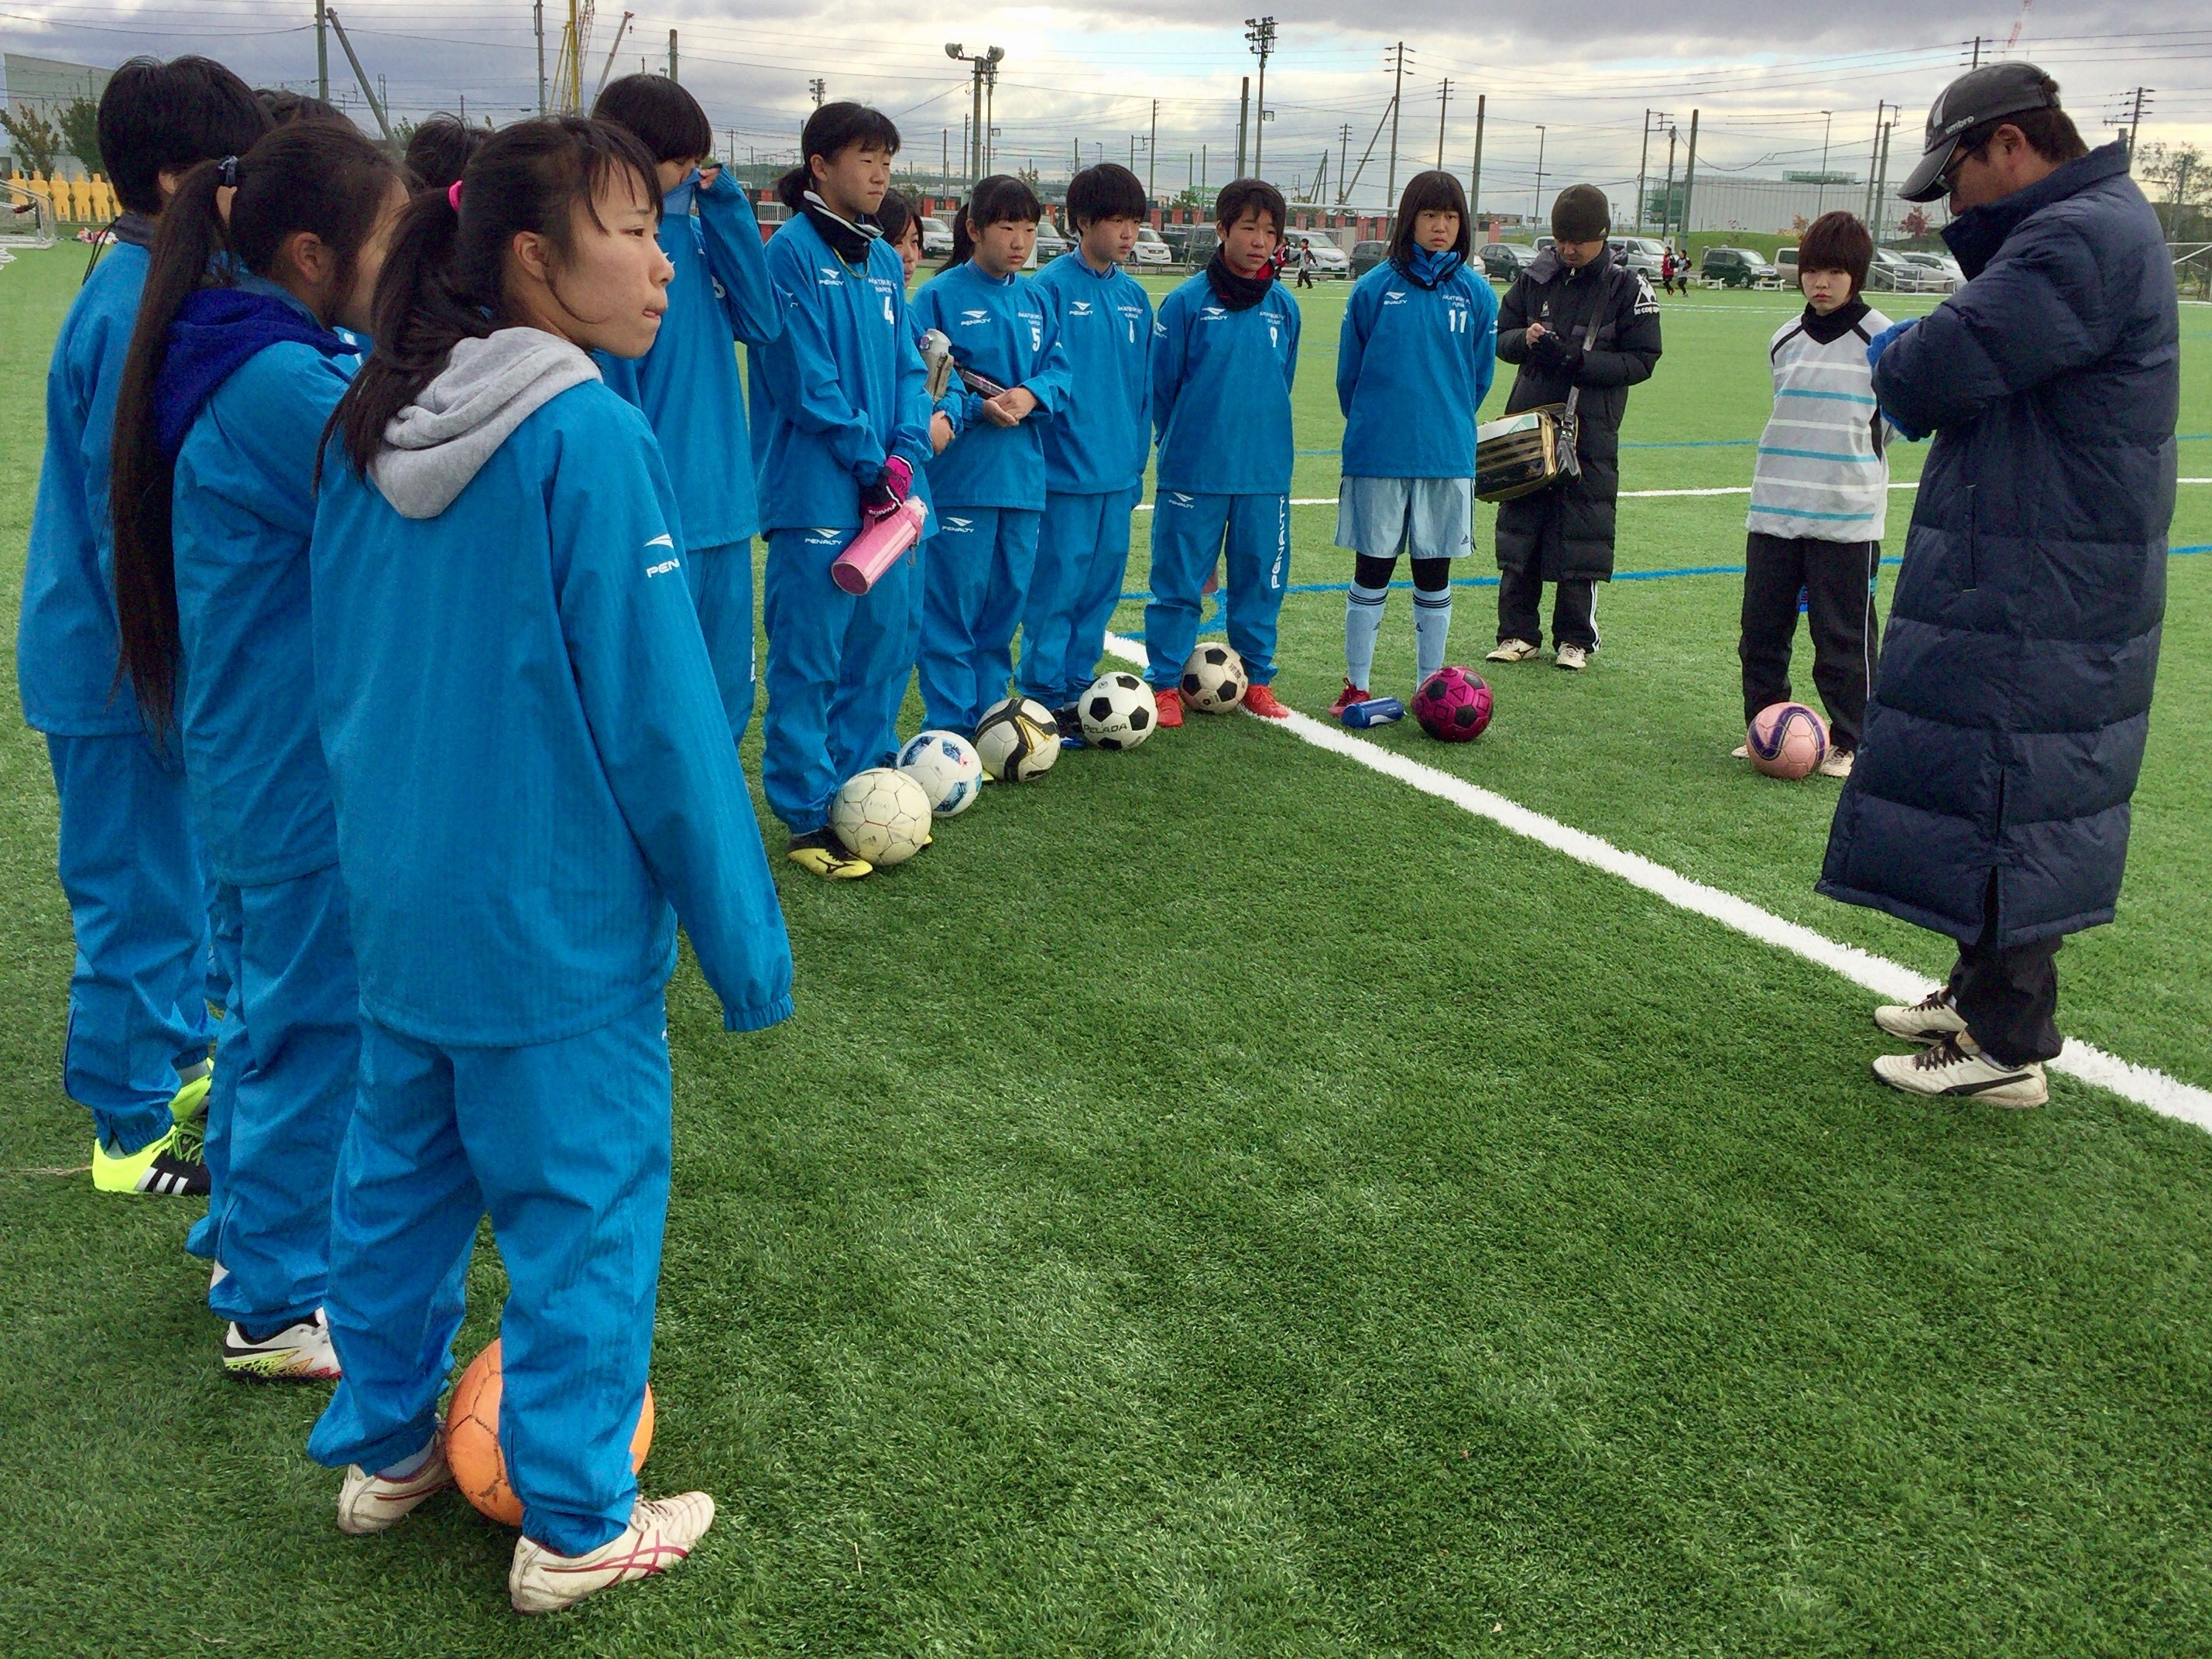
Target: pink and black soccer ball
<point x="1453" y="705"/>
<point x="1786" y="740"/>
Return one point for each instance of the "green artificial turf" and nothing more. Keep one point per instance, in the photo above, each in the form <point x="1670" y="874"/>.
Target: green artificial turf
<point x="1218" y="1201"/>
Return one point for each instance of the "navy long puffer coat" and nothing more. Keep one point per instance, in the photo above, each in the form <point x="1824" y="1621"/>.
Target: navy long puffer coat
<point x="2014" y="696"/>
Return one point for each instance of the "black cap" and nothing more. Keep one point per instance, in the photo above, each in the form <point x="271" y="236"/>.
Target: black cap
<point x="1980" y="95"/>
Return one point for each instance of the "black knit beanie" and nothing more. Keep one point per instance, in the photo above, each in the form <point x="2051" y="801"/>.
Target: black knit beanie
<point x="1580" y="214"/>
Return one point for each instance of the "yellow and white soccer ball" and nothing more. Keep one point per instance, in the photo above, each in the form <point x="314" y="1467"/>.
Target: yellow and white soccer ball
<point x="1018" y="740"/>
<point x="881" y="815"/>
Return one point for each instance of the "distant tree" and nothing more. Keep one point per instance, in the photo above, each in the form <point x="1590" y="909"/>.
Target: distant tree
<point x="1913" y="224"/>
<point x="36" y="141"/>
<point x="79" y="123"/>
<point x="2180" y="169"/>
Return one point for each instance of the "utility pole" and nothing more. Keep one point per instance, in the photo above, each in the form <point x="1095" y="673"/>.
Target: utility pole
<point x="1397" y="88"/>
<point x="360" y="77"/>
<point x="323" y="48"/>
<point x="1444" y="104"/>
<point x="1474" y="182"/>
<point x="1152" y="156"/>
<point x="1666" y="201"/>
<point x="1874" y="161"/>
<point x="1642" y="159"/>
<point x="1689" y="177"/>
<point x="1536" y="207"/>
<point x="1821" y="200"/>
<point x="1881" y="179"/>
<point x="671" y="54"/>
<point x="537" y="21"/>
<point x="819" y="88"/>
<point x="1260" y="31"/>
<point x="1343" y="158"/>
<point x="1976" y="64"/>
<point x="1244" y="124"/>
<point x="991" y="109"/>
<point x="2135" y="120"/>
<point x="983" y="63"/>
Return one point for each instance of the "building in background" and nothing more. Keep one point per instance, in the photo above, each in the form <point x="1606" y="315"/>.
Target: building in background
<point x="45" y="87"/>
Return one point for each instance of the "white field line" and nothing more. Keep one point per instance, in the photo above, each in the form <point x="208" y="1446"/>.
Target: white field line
<point x="1641" y="495"/>
<point x="2166" y="1096"/>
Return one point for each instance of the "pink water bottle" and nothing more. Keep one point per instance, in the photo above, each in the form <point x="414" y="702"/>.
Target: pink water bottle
<point x="873" y="550"/>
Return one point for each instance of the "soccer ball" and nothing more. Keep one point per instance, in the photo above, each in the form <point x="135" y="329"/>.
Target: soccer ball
<point x="882" y="815"/>
<point x="472" y="1439"/>
<point x="947" y="767"/>
<point x="1118" y="711"/>
<point x="1213" y="679"/>
<point x="1018" y="740"/>
<point x="1453" y="706"/>
<point x="1786" y="740"/>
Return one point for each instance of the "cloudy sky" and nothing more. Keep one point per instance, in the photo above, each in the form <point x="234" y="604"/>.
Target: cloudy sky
<point x="1773" y="83"/>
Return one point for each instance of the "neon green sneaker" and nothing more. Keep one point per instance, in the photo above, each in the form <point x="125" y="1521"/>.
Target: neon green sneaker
<point x="191" y="1099"/>
<point x="174" y="1166"/>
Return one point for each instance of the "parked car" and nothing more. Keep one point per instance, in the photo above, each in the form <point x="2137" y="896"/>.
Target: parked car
<point x="1736" y="267"/>
<point x="770" y="216"/>
<point x="1177" y="237"/>
<point x="1504" y="261"/>
<point x="1050" y="245"/>
<point x="1785" y="265"/>
<point x="1152" y="249"/>
<point x="1365" y="256"/>
<point x="1640" y="253"/>
<point x="1939" y="272"/>
<point x="1204" y="239"/>
<point x="936" y="237"/>
<point x="1329" y="259"/>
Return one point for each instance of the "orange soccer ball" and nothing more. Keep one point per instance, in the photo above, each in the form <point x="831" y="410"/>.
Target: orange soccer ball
<point x="472" y="1439"/>
<point x="1786" y="740"/>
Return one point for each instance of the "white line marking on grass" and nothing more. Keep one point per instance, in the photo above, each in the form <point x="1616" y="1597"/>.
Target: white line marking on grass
<point x="1643" y="495"/>
<point x="2166" y="1096"/>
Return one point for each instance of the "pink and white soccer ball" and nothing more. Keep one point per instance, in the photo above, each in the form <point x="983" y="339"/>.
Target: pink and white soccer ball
<point x="1786" y="740"/>
<point x="1453" y="705"/>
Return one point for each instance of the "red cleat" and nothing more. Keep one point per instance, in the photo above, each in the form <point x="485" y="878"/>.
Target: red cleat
<point x="1264" y="703"/>
<point x="1346" y="698"/>
<point x="1168" y="703"/>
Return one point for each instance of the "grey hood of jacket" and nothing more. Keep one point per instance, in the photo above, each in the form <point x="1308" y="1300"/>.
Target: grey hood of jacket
<point x="488" y="387"/>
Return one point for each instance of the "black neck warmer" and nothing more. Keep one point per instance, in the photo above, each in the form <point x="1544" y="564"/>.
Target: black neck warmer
<point x="1825" y="331"/>
<point x="1237" y="292"/>
<point x="848" y="239"/>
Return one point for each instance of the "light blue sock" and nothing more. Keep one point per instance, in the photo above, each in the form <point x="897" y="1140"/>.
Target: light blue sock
<point x="1432" y="631"/>
<point x="407" y="1466"/>
<point x="1363" y="621"/>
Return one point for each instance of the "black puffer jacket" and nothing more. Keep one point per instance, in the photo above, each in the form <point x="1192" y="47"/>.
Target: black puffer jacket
<point x="1608" y="323"/>
<point x="2014" y="696"/>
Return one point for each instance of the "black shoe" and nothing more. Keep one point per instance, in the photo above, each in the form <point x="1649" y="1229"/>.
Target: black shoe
<point x="1070" y="722"/>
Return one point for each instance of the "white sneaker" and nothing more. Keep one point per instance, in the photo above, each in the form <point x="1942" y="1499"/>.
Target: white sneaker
<point x="1836" y="763"/>
<point x="1513" y="651"/>
<point x="1931" y="1020"/>
<point x="659" y="1535"/>
<point x="1572" y="658"/>
<point x="300" y="1352"/>
<point x="1956" y="1067"/>
<point x="370" y="1502"/>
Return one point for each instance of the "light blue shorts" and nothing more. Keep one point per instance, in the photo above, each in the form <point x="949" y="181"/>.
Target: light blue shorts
<point x="1428" y="517"/>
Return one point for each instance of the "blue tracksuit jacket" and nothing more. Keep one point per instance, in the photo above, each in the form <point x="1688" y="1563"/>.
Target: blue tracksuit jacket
<point x="1412" y="365"/>
<point x="688" y="385"/>
<point x="1000" y="327"/>
<point x="1221" y="392"/>
<point x="66" y="638"/>
<point x="1100" y="436"/>
<point x="839" y="389"/>
<point x="254" y="756"/>
<point x="530" y="759"/>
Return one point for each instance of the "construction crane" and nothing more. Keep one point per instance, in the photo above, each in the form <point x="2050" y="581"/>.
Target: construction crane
<point x="568" y="92"/>
<point x="2019" y="23"/>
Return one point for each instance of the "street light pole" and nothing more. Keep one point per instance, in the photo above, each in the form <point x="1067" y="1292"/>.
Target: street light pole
<point x="1820" y="201"/>
<point x="1536" y="209"/>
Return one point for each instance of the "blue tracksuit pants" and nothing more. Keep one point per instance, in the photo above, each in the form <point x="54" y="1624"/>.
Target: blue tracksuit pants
<point x="1082" y="557"/>
<point x="722" y="580"/>
<point x="130" y="867"/>
<point x="829" y="655"/>
<point x="890" y="634"/>
<point x="1188" y="534"/>
<point x="566" y="1146"/>
<point x="290" y="1056"/>
<point x="978" y="582"/>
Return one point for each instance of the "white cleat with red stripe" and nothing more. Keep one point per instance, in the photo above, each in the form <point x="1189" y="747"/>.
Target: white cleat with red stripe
<point x="659" y="1535"/>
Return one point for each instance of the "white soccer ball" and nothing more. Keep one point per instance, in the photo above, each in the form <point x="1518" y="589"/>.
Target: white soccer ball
<point x="948" y="769"/>
<point x="882" y="815"/>
<point x="1118" y="711"/>
<point x="1213" y="679"/>
<point x="1018" y="740"/>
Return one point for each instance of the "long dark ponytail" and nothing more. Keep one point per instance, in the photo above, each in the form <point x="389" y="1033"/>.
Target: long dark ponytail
<point x="444" y="278"/>
<point x="313" y="176"/>
<point x="999" y="197"/>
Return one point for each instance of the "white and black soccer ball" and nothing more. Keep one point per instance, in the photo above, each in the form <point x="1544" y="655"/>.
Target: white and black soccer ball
<point x="1118" y="711"/>
<point x="881" y="815"/>
<point x="1213" y="679"/>
<point x="1018" y="739"/>
<point x="948" y="769"/>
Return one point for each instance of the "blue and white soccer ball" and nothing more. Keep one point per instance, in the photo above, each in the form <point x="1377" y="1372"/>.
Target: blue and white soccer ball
<point x="948" y="769"/>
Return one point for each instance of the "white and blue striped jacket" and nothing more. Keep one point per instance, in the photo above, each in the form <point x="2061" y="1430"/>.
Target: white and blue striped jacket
<point x="1822" y="473"/>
